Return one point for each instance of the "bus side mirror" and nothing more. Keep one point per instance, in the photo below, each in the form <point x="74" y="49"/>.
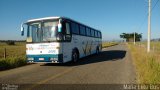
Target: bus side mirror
<point x="59" y="27"/>
<point x="22" y="30"/>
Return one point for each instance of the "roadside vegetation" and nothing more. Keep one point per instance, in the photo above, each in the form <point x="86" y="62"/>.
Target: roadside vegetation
<point x="12" y="55"/>
<point x="108" y="44"/>
<point x="147" y="64"/>
<point x="155" y="46"/>
<point x="130" y="36"/>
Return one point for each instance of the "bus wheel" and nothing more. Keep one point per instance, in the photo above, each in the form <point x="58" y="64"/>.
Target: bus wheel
<point x="75" y="56"/>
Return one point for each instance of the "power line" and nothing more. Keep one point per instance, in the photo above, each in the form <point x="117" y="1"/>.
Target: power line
<point x="147" y="15"/>
<point x="143" y="22"/>
<point x="155" y="5"/>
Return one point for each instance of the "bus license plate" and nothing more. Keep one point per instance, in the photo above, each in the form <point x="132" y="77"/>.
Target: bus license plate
<point x="41" y="58"/>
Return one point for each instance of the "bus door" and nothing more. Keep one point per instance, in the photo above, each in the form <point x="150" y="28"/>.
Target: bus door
<point x="67" y="46"/>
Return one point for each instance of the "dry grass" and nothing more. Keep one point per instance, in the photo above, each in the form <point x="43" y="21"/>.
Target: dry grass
<point x="15" y="55"/>
<point x="155" y="46"/>
<point x="12" y="50"/>
<point x="12" y="62"/>
<point x="108" y="44"/>
<point x="147" y="65"/>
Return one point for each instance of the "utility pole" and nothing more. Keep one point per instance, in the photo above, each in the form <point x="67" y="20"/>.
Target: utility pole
<point x="149" y="27"/>
<point x="134" y="38"/>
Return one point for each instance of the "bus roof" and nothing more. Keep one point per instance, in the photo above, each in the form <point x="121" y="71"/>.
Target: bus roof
<point x="56" y="17"/>
<point x="45" y="18"/>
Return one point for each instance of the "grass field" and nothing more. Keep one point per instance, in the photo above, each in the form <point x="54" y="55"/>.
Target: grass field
<point x="155" y="46"/>
<point x="147" y="64"/>
<point x="13" y="50"/>
<point x="15" y="55"/>
<point x="108" y="44"/>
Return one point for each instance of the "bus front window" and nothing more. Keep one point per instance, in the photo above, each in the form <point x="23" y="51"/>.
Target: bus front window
<point x="34" y="32"/>
<point x="46" y="31"/>
<point x="50" y="31"/>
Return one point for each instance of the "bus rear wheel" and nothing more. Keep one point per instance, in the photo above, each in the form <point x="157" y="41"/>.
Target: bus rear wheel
<point x="75" y="56"/>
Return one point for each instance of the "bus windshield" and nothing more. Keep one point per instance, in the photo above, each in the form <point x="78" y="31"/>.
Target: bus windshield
<point x="42" y="31"/>
<point x="49" y="31"/>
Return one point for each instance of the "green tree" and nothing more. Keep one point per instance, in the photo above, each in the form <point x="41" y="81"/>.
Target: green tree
<point x="130" y="36"/>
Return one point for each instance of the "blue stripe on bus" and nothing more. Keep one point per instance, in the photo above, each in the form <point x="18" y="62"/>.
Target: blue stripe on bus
<point x="46" y="57"/>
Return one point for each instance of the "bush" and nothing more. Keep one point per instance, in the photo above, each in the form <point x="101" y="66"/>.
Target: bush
<point x="12" y="62"/>
<point x="10" y="42"/>
<point x="4" y="65"/>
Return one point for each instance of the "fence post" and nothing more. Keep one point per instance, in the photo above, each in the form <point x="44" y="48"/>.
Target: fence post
<point x="4" y="53"/>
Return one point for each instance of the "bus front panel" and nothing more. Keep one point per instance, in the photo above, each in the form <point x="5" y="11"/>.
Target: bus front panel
<point x="44" y="53"/>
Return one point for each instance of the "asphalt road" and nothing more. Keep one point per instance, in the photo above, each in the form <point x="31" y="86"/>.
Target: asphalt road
<point x="113" y="66"/>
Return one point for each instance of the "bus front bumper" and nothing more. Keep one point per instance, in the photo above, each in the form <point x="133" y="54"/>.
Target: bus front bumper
<point x="58" y="58"/>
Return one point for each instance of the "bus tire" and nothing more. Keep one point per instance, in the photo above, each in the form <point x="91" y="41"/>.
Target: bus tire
<point x="75" y="56"/>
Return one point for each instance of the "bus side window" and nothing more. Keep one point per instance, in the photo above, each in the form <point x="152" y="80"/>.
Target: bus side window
<point x="96" y="34"/>
<point x="88" y="31"/>
<point x="99" y="34"/>
<point x="92" y="32"/>
<point x="82" y="30"/>
<point x="68" y="31"/>
<point x="75" y="28"/>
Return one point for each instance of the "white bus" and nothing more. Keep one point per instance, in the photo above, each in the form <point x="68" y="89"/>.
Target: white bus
<point x="59" y="40"/>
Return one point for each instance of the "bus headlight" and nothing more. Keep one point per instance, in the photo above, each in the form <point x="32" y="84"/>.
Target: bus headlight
<point x="30" y="58"/>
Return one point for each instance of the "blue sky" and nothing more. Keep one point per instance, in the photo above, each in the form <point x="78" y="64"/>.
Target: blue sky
<point x="112" y="17"/>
